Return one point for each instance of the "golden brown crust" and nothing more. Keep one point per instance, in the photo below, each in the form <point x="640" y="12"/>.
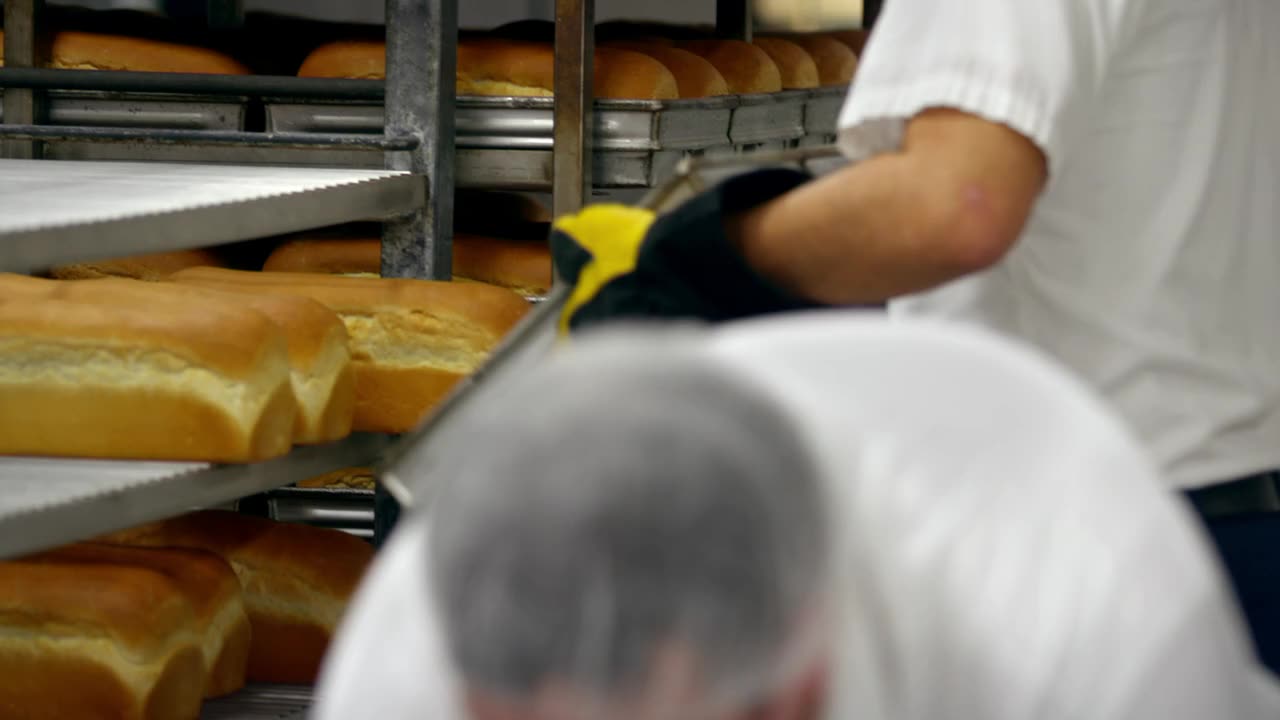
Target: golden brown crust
<point x="746" y="68"/>
<point x="491" y="310"/>
<point x="504" y="67"/>
<point x="296" y="581"/>
<point x="96" y="641"/>
<point x="695" y="76"/>
<point x="315" y="338"/>
<point x="331" y="256"/>
<point x="411" y="340"/>
<point x="113" y="378"/>
<point x="140" y="267"/>
<point x="520" y="265"/>
<point x="836" y="61"/>
<point x="855" y="40"/>
<point x="358" y="478"/>
<point x="799" y="71"/>
<point x="356" y="59"/>
<point x="209" y="585"/>
<point x="91" y="51"/>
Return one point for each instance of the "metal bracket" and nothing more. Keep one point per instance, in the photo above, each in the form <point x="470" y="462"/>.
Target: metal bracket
<point x="22" y="49"/>
<point x="573" y="125"/>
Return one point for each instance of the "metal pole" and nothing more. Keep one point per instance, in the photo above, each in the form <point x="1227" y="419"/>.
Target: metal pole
<point x="422" y="38"/>
<point x="734" y="19"/>
<point x="22" y="50"/>
<point x="870" y="11"/>
<point x="421" y="57"/>
<point x="575" y="48"/>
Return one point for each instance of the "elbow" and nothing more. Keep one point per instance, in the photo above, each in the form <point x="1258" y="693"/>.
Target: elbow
<point x="969" y="237"/>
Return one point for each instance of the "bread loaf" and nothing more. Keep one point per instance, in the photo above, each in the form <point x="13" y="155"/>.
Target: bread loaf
<point x="411" y="340"/>
<point x="508" y="68"/>
<point x="91" y="51"/>
<point x="695" y="77"/>
<point x="746" y="68"/>
<point x="797" y="68"/>
<point x="346" y="479"/>
<point x="856" y="40"/>
<point x="835" y="61"/>
<point x="140" y="267"/>
<point x="520" y="265"/>
<point x="96" y="642"/>
<point x="321" y="377"/>
<point x="209" y="585"/>
<point x="112" y="378"/>
<point x="296" y="581"/>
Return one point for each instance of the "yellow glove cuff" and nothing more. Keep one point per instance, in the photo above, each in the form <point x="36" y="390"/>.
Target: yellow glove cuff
<point x="612" y="235"/>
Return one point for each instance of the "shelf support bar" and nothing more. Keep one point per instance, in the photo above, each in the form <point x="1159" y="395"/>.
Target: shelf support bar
<point x="575" y="49"/>
<point x="421" y="57"/>
<point x="734" y="19"/>
<point x="22" y="49"/>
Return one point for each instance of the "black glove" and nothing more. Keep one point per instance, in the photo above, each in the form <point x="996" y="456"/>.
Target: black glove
<point x="625" y="263"/>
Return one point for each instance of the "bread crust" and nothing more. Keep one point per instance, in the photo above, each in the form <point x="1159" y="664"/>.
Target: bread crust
<point x="139" y="267"/>
<point x="92" y="51"/>
<point x="411" y="340"/>
<point x="113" y="378"/>
<point x="695" y="76"/>
<point x="747" y="69"/>
<point x="798" y="70"/>
<point x="836" y="62"/>
<point x="95" y="641"/>
<point x="209" y="585"/>
<point x="296" y="581"/>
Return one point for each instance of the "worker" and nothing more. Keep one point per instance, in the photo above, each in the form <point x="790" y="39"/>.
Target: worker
<point x="822" y="517"/>
<point x="1096" y="177"/>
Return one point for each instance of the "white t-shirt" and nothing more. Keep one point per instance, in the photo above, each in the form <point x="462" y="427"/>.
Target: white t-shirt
<point x="1151" y="264"/>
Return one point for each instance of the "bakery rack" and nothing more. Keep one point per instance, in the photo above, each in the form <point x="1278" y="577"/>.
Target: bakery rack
<point x="209" y="179"/>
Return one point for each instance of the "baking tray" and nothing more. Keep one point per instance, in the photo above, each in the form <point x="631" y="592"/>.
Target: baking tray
<point x="822" y="111"/>
<point x="516" y="123"/>
<point x="506" y="142"/>
<point x="138" y="110"/>
<point x="768" y="118"/>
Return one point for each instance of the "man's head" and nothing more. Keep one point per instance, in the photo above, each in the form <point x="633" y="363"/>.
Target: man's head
<point x="630" y="534"/>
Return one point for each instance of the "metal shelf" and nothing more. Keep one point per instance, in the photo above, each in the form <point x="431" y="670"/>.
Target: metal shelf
<point x="60" y="212"/>
<point x="261" y="702"/>
<point x="45" y="502"/>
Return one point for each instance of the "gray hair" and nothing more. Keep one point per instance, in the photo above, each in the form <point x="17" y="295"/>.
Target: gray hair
<point x="624" y="495"/>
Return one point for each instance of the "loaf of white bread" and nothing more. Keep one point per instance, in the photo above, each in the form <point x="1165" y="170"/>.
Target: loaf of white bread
<point x="92" y="51"/>
<point x="206" y="581"/>
<point x="296" y="581"/>
<point x="411" y="340"/>
<point x="321" y="377"/>
<point x="520" y="265"/>
<point x="103" y="374"/>
<point x="97" y="642"/>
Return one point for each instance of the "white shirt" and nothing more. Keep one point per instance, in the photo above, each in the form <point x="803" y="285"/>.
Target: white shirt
<point x="1151" y="264"/>
<point x="1007" y="551"/>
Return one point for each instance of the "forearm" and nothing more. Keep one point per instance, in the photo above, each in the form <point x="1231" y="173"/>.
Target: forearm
<point x="854" y="237"/>
<point x="952" y="202"/>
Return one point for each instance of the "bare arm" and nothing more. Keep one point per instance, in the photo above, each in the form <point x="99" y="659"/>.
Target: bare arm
<point x="953" y="201"/>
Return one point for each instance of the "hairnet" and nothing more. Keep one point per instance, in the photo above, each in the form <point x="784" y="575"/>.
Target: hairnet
<point x="963" y="528"/>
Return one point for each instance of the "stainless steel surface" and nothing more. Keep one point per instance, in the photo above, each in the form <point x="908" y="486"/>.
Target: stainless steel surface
<point x="527" y="123"/>
<point x="21" y="50"/>
<point x="348" y="510"/>
<point x="734" y="19"/>
<point x="822" y="110"/>
<point x="58" y="212"/>
<point x="574" y="56"/>
<point x="102" y="109"/>
<point x="46" y="502"/>
<point x="261" y="702"/>
<point x="421" y="37"/>
<point x="768" y="118"/>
